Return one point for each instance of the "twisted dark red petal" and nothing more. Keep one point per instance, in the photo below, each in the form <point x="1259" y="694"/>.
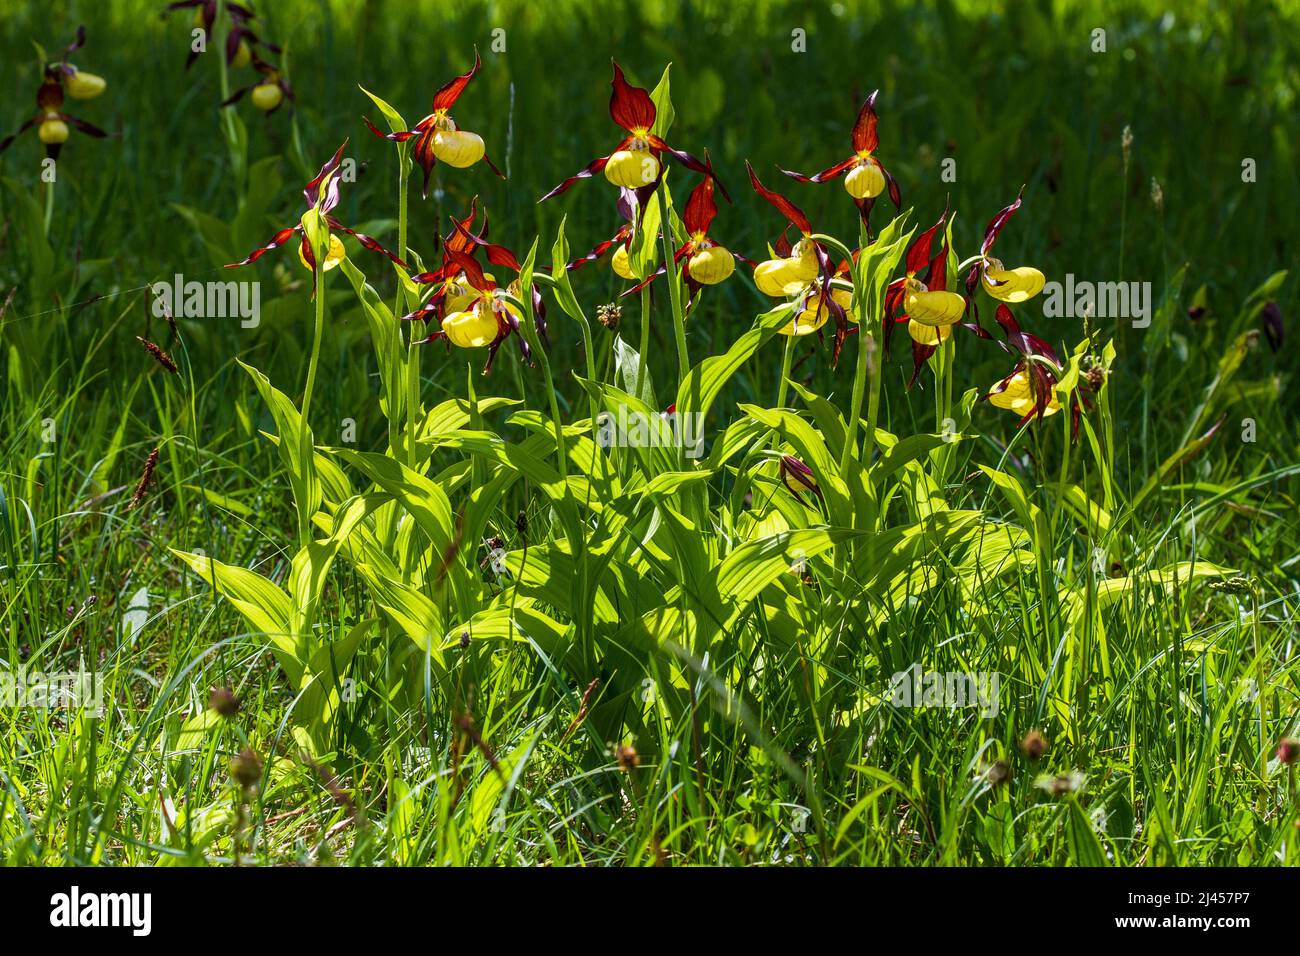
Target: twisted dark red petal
<point x="447" y="95"/>
<point x="312" y="189"/>
<point x="792" y="213"/>
<point x="368" y="242"/>
<point x="398" y="137"/>
<point x="279" y="239"/>
<point x="996" y="224"/>
<point x="825" y="175"/>
<point x="592" y="168"/>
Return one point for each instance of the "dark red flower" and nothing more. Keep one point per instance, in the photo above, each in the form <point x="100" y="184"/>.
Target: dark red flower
<point x="865" y="176"/>
<point x="438" y="137"/>
<point x="50" y="121"/>
<point x="466" y="301"/>
<point x="322" y="195"/>
<point x="241" y="41"/>
<point x="637" y="160"/>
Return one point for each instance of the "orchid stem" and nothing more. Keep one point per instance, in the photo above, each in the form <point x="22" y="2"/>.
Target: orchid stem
<point x="412" y="348"/>
<point x="674" y="293"/>
<point x="786" y="361"/>
<point x="645" y="341"/>
<point x="866" y="368"/>
<point x="317" y="335"/>
<point x="304" y="517"/>
<point x="49" y="206"/>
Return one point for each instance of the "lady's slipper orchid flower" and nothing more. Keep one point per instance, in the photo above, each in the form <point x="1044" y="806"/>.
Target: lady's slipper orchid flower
<point x="813" y="312"/>
<point x="268" y="93"/>
<point x="466" y="301"/>
<point x="929" y="310"/>
<point x="322" y="195"/>
<point x="50" y="121"/>
<point x="1030" y="389"/>
<point x="77" y="83"/>
<point x="802" y="271"/>
<point x="1006" y="285"/>
<point x="798" y="477"/>
<point x="702" y="260"/>
<point x="1018" y="393"/>
<point x="437" y="137"/>
<point x="637" y="160"/>
<point x="865" y="177"/>
<point x="241" y="41"/>
<point x="478" y="317"/>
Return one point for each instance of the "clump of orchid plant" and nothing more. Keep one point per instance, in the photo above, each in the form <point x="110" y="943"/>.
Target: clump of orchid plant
<point x="801" y="272"/>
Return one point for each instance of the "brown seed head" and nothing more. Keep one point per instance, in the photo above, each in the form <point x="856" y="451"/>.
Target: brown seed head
<point x="1034" y="745"/>
<point x="627" y="758"/>
<point x="224" y="702"/>
<point x="609" y="315"/>
<point x="246" y="768"/>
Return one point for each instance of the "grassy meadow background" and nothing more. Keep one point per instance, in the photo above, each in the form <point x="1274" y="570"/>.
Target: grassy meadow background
<point x="1176" y="764"/>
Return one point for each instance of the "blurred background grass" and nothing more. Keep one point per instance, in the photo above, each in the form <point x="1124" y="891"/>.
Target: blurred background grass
<point x="1012" y="91"/>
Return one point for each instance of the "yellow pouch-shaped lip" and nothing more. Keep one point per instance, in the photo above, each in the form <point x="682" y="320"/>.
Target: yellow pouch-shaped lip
<point x="1012" y="285"/>
<point x="470" y="330"/>
<point x="934" y="308"/>
<point x="928" y="334"/>
<point x="1018" y="397"/>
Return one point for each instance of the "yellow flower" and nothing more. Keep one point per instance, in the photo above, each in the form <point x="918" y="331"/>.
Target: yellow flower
<point x="267" y="96"/>
<point x="621" y="264"/>
<point x="928" y="334"/>
<point x="1018" y="397"/>
<point x="811" y="317"/>
<point x="53" y="130"/>
<point x="457" y="147"/>
<point x="778" y="277"/>
<point x="1011" y="285"/>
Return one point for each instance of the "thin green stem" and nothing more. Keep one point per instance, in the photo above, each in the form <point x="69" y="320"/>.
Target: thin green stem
<point x="645" y="342"/>
<point x="865" y="369"/>
<point x="317" y="335"/>
<point x="674" y="289"/>
<point x="787" y="359"/>
<point x="49" y="206"/>
<point x="399" y="308"/>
